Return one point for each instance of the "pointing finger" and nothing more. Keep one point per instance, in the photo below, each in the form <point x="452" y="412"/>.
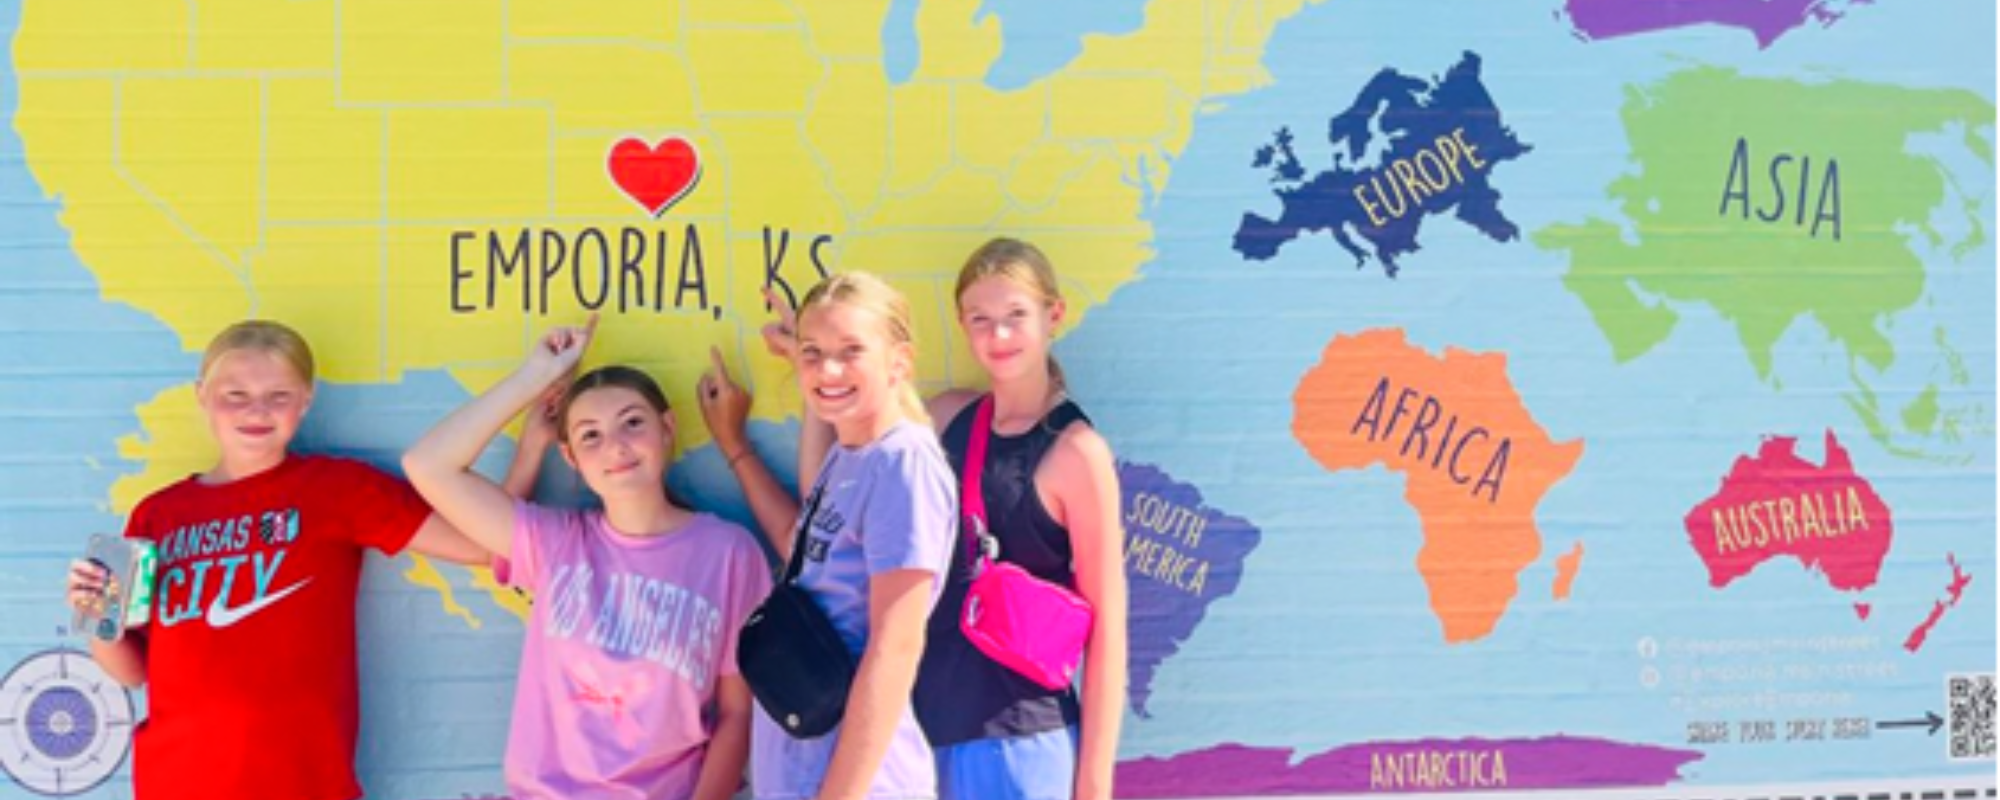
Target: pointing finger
<point x="715" y="358"/>
<point x="776" y="303"/>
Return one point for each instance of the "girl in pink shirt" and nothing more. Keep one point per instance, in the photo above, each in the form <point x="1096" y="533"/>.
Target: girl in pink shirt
<point x="628" y="685"/>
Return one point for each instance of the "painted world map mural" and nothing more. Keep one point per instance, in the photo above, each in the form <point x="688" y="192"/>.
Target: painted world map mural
<point x="1535" y="395"/>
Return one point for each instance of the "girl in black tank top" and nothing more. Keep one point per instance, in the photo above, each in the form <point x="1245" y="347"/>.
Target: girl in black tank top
<point x="1052" y="502"/>
<point x="961" y="694"/>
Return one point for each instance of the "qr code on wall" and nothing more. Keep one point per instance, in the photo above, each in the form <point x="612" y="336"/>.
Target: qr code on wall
<point x="1970" y="713"/>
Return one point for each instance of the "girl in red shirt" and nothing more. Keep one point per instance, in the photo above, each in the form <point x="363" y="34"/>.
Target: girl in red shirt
<point x="250" y="649"/>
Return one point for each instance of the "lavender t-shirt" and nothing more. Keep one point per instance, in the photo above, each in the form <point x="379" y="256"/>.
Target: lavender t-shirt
<point x="888" y="505"/>
<point x="628" y="638"/>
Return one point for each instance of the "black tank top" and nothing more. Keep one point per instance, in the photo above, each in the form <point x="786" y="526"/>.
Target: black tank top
<point x="961" y="694"/>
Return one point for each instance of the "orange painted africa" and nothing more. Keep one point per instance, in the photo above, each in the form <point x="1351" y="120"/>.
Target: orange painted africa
<point x="1476" y="465"/>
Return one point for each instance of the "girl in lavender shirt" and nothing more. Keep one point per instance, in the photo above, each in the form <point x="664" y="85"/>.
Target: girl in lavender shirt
<point x="628" y="685"/>
<point x="877" y="540"/>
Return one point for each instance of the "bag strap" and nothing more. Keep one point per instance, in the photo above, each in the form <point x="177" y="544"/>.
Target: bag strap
<point x="803" y="532"/>
<point x="971" y="489"/>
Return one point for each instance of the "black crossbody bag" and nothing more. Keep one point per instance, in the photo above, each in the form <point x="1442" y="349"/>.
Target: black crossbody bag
<point x="789" y="652"/>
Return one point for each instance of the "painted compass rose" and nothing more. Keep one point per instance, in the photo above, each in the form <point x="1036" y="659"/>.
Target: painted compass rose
<point x="65" y="726"/>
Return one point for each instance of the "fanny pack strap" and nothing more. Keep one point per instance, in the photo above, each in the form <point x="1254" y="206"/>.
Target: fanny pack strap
<point x="804" y="531"/>
<point x="970" y="489"/>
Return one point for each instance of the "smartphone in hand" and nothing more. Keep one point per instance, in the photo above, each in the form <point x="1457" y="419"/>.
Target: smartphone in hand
<point x="127" y="598"/>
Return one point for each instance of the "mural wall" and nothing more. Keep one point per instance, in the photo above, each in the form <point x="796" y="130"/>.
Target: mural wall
<point x="1513" y="394"/>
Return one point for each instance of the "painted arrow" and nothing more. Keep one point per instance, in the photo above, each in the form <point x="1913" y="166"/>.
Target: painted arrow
<point x="1931" y="720"/>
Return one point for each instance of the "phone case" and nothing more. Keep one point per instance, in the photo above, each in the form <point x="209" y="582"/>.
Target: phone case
<point x="105" y="619"/>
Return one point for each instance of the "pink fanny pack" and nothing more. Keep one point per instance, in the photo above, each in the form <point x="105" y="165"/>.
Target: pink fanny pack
<point x="1029" y="625"/>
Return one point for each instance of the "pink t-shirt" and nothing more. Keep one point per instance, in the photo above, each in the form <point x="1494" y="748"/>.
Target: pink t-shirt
<point x="627" y="640"/>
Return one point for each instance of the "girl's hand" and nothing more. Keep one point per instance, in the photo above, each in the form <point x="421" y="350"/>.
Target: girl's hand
<point x="781" y="336"/>
<point x="86" y="585"/>
<point x="538" y="428"/>
<point x="725" y="408"/>
<point x="560" y="350"/>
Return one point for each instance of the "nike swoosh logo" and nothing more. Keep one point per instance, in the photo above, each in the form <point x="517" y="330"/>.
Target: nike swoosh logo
<point x="220" y="615"/>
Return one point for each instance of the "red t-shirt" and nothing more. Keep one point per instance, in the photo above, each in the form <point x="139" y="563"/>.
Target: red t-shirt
<point x="250" y="651"/>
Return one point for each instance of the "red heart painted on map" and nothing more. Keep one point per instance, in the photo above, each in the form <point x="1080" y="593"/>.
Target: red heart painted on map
<point x="654" y="176"/>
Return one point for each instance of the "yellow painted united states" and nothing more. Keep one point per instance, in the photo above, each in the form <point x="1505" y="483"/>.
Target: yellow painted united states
<point x="310" y="161"/>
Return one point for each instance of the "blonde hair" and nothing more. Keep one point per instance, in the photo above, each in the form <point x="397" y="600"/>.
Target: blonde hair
<point x="264" y="336"/>
<point x="874" y="295"/>
<point x="1022" y="264"/>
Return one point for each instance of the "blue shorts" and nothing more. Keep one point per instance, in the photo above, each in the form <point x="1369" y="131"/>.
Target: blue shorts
<point x="1039" y="766"/>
